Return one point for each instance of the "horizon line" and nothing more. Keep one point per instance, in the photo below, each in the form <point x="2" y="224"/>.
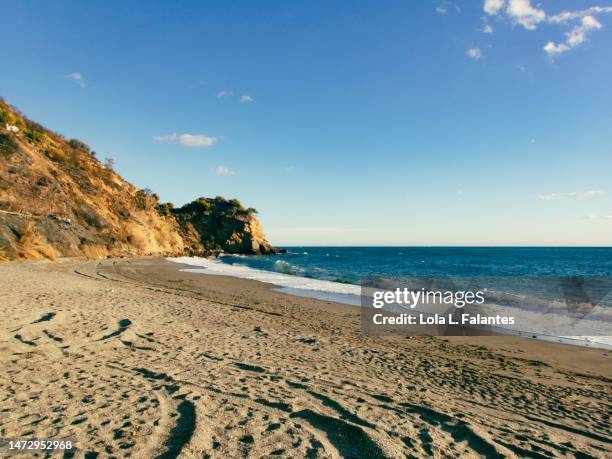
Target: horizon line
<point x="454" y="246"/>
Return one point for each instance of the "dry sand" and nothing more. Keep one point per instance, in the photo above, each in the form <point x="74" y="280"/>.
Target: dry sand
<point x="135" y="358"/>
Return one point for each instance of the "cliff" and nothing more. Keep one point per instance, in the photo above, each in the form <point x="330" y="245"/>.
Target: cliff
<point x="220" y="225"/>
<point x="57" y="199"/>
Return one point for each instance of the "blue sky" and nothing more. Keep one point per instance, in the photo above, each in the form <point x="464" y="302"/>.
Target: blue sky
<point x="343" y="122"/>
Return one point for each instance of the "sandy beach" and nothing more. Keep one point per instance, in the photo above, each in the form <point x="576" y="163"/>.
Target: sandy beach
<point x="134" y="358"/>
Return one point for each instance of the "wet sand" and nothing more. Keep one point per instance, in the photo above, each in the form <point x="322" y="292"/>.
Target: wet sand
<point x="136" y="358"/>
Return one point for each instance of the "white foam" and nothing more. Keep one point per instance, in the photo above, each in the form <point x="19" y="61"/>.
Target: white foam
<point x="338" y="292"/>
<point x="218" y="268"/>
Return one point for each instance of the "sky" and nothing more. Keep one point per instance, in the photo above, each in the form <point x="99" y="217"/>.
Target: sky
<point x="343" y="122"/>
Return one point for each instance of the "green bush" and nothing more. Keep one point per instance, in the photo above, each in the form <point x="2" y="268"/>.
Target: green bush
<point x="79" y="145"/>
<point x="165" y="208"/>
<point x="7" y="145"/>
<point x="217" y="207"/>
<point x="3" y="116"/>
<point x="34" y="136"/>
<point x="146" y="199"/>
<point x="140" y="198"/>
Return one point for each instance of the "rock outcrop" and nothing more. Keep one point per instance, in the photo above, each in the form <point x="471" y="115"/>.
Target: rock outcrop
<point x="220" y="225"/>
<point x="57" y="199"/>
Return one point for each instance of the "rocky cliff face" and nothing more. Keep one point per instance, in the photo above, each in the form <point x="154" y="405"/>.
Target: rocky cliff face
<point x="220" y="225"/>
<point x="57" y="199"/>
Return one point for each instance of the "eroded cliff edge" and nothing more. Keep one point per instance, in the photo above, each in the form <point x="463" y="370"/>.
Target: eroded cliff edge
<point x="57" y="199"/>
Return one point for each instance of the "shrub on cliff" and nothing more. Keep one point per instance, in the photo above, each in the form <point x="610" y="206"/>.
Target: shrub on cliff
<point x="165" y="209"/>
<point x="34" y="136"/>
<point x="146" y="199"/>
<point x="79" y="145"/>
<point x="7" y="145"/>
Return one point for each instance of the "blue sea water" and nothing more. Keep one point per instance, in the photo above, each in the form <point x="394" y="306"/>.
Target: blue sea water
<point x="531" y="279"/>
<point x="349" y="264"/>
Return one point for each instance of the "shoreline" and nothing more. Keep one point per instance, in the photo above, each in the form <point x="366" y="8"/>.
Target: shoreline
<point x="336" y="292"/>
<point x="124" y="355"/>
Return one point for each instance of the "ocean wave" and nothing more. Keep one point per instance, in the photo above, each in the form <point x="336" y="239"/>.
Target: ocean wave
<point x="350" y="294"/>
<point x="282" y="266"/>
<point x="281" y="279"/>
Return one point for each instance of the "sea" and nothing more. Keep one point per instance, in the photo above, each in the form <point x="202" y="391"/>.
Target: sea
<point x="334" y="273"/>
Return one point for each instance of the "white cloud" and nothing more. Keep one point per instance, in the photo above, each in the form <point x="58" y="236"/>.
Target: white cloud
<point x="573" y="194"/>
<point x="493" y="7"/>
<point x="553" y="48"/>
<point x="523" y="13"/>
<point x="565" y="16"/>
<point x="187" y="140"/>
<point x="599" y="217"/>
<point x="77" y="78"/>
<point x="518" y="11"/>
<point x="245" y="98"/>
<point x="222" y="170"/>
<point x="474" y="53"/>
<point x="445" y="5"/>
<point x="575" y="37"/>
<point x="487" y="29"/>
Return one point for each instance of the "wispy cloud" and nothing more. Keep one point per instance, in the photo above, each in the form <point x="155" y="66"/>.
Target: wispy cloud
<point x="523" y="13"/>
<point x="487" y="29"/>
<point x="566" y="16"/>
<point x="77" y="78"/>
<point x="225" y="171"/>
<point x="474" y="53"/>
<point x="573" y="194"/>
<point x="244" y="98"/>
<point x="599" y="217"/>
<point x="187" y="140"/>
<point x="197" y="84"/>
<point x="575" y="37"/>
<point x="445" y="5"/>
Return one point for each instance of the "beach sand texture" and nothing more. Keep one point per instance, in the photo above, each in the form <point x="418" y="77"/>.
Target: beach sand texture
<point x="135" y="358"/>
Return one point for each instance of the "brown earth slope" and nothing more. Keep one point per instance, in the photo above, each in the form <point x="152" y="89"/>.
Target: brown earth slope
<point x="58" y="199"/>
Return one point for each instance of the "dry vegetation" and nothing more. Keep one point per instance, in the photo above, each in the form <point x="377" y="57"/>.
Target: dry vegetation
<point x="79" y="202"/>
<point x="94" y="251"/>
<point x="33" y="245"/>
